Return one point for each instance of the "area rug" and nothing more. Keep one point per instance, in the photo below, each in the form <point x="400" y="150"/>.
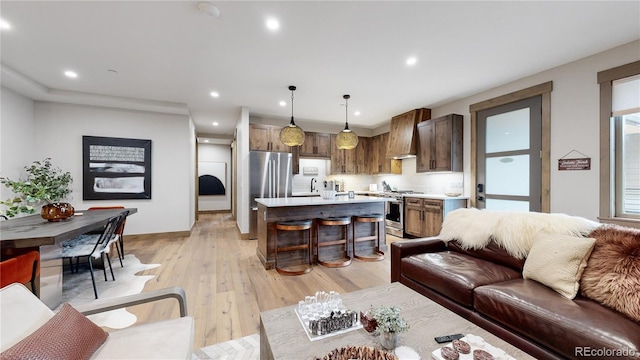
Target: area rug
<point x="246" y="348"/>
<point x="77" y="289"/>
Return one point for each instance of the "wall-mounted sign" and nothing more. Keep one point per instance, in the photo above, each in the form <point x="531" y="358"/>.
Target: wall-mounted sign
<point x="574" y="164"/>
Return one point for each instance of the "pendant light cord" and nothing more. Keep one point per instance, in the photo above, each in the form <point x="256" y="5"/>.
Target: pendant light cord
<point x="292" y="123"/>
<point x="346" y="112"/>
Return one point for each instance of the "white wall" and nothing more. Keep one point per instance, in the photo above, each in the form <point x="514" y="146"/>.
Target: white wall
<point x="58" y="134"/>
<point x="17" y="142"/>
<point x="193" y="148"/>
<point x="216" y="153"/>
<point x="575" y="116"/>
<point x="242" y="149"/>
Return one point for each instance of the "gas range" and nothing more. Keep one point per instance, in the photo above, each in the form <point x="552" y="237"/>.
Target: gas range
<point x="399" y="193"/>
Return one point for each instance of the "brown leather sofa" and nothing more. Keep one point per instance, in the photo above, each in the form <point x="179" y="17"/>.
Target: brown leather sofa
<point x="486" y="287"/>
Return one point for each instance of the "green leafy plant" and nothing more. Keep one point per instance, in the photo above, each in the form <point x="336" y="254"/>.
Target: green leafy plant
<point x="388" y="319"/>
<point x="44" y="183"/>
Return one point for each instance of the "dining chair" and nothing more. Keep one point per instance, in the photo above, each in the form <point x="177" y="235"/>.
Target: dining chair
<point x="21" y="269"/>
<point x="94" y="246"/>
<point x="119" y="231"/>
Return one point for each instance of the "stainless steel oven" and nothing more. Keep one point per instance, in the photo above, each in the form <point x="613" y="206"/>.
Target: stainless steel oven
<point x="394" y="215"/>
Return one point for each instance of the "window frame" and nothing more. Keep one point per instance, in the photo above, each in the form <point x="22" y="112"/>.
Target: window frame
<point x="607" y="212"/>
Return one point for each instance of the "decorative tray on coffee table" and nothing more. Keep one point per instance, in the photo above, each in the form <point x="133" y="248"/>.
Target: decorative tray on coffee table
<point x="306" y="319"/>
<point x="476" y="342"/>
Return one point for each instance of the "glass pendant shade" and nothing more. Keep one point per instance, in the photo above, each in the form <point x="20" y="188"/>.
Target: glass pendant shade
<point x="292" y="134"/>
<point x="346" y="139"/>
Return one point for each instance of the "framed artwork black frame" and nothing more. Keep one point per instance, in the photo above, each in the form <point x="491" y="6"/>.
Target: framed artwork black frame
<point x="115" y="168"/>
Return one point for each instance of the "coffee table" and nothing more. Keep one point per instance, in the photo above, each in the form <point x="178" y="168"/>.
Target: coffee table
<point x="283" y="338"/>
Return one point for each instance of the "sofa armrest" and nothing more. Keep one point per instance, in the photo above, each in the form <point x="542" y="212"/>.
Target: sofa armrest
<point x="100" y="306"/>
<point x="401" y="249"/>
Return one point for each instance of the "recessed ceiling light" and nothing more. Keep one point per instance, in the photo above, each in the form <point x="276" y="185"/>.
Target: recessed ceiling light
<point x="356" y="113"/>
<point x="215" y="94"/>
<point x="282" y="103"/>
<point x="412" y="61"/>
<point x="209" y="9"/>
<point x="273" y="24"/>
<point x="71" y="74"/>
<point x="4" y="25"/>
<point x="206" y="140"/>
<point x="215" y="123"/>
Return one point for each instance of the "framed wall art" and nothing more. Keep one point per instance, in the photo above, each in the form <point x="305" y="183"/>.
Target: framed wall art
<point x="115" y="168"/>
<point x="212" y="177"/>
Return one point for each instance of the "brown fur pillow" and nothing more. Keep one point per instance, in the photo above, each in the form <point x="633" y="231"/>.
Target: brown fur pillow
<point x="612" y="275"/>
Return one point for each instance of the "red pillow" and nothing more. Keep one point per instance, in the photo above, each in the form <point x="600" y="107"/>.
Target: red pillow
<point x="67" y="335"/>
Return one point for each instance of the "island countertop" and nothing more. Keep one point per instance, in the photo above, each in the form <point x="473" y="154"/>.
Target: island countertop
<point x="316" y="200"/>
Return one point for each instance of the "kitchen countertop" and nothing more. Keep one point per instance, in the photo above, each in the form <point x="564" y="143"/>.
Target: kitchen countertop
<point x="435" y="196"/>
<point x="379" y="193"/>
<point x="316" y="200"/>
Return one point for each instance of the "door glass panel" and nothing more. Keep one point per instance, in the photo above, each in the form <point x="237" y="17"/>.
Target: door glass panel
<point x="630" y="170"/>
<point x="508" y="131"/>
<point x="511" y="205"/>
<point x="508" y="175"/>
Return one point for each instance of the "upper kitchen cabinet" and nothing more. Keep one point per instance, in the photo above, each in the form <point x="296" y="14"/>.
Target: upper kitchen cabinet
<point x="402" y="138"/>
<point x="316" y="145"/>
<point x="440" y="144"/>
<point x="354" y="161"/>
<point x="380" y="164"/>
<point x="266" y="138"/>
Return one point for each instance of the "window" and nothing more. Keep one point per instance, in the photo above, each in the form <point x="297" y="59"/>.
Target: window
<point x="620" y="145"/>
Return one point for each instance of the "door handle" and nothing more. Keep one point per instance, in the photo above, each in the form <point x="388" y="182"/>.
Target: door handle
<point x="480" y="188"/>
<point x="480" y="198"/>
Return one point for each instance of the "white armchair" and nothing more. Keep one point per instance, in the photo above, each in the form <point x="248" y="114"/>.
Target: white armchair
<point x="22" y="313"/>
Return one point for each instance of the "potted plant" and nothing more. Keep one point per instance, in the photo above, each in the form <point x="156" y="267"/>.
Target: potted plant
<point x="388" y="324"/>
<point x="43" y="184"/>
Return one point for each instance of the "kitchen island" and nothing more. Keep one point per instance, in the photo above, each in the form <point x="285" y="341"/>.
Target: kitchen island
<point x="273" y="210"/>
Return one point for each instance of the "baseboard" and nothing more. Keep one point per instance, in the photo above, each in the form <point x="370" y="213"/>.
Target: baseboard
<point x="157" y="235"/>
<point x="213" y="211"/>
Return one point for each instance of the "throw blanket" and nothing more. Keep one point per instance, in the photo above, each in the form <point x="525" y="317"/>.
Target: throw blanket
<point x="513" y="231"/>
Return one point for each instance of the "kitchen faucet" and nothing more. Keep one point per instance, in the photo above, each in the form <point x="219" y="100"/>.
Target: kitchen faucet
<point x="313" y="184"/>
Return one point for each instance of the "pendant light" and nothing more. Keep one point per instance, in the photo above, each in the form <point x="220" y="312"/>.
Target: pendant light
<point x="292" y="135"/>
<point x="346" y="139"/>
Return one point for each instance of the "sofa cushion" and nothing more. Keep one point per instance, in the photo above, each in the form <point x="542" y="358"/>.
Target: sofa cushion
<point x="67" y="335"/>
<point x="612" y="275"/>
<point x="454" y="274"/>
<point x="558" y="261"/>
<point x="563" y="325"/>
<point x="492" y="252"/>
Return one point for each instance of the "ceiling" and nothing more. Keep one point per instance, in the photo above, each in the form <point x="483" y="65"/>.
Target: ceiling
<point x="169" y="56"/>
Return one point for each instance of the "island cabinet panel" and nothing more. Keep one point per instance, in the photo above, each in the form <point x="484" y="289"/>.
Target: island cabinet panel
<point x="269" y="215"/>
<point x="316" y="145"/>
<point x="440" y="144"/>
<point x="402" y="139"/>
<point x="266" y="138"/>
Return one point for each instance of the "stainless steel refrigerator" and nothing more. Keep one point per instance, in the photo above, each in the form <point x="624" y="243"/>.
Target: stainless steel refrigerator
<point x="270" y="177"/>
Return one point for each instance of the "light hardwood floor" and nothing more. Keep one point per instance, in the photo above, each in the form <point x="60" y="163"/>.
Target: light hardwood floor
<point x="225" y="283"/>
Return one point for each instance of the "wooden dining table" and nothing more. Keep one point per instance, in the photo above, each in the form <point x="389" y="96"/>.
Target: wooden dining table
<point x="32" y="232"/>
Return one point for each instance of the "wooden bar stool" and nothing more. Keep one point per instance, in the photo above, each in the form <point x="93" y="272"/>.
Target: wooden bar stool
<point x="334" y="221"/>
<point x="372" y="218"/>
<point x="296" y="225"/>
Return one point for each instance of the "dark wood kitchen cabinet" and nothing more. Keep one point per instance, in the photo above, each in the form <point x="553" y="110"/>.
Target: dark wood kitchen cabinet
<point x="380" y="164"/>
<point x="352" y="161"/>
<point x="316" y="145"/>
<point x="440" y="144"/>
<point x="266" y="138"/>
<point x="402" y="135"/>
<point x="423" y="216"/>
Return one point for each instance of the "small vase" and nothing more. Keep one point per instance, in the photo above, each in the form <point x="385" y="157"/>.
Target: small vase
<point x="389" y="340"/>
<point x="57" y="211"/>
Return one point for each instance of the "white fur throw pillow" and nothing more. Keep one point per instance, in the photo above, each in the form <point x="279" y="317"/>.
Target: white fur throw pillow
<point x="516" y="232"/>
<point x="473" y="228"/>
<point x="558" y="261"/>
